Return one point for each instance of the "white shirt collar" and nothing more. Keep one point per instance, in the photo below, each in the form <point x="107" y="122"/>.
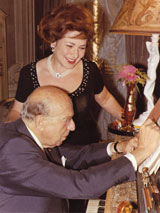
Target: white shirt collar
<point x="63" y="159"/>
<point x="35" y="138"/>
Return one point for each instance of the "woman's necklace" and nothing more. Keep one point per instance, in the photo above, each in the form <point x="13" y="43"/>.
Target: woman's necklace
<point x="53" y="73"/>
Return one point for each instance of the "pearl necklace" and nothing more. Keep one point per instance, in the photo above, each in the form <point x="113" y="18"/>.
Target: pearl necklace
<point x="53" y="73"/>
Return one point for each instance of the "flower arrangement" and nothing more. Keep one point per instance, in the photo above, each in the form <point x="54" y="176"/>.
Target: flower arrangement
<point x="130" y="74"/>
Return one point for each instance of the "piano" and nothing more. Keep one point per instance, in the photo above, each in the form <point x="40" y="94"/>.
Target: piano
<point x="114" y="196"/>
<point x="131" y="192"/>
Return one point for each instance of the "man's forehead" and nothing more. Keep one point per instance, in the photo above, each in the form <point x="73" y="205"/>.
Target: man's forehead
<point x="63" y="114"/>
<point x="60" y="117"/>
<point x="62" y="107"/>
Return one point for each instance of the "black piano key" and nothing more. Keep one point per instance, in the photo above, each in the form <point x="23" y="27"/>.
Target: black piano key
<point x="102" y="203"/>
<point x="100" y="210"/>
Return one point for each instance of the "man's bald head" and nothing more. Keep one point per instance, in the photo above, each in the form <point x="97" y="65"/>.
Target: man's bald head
<point x="48" y="113"/>
<point x="45" y="100"/>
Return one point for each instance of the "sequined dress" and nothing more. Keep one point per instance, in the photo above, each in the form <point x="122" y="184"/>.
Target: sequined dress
<point x="85" y="108"/>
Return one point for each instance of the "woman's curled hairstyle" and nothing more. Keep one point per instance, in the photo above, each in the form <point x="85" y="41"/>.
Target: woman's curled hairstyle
<point x="66" y="17"/>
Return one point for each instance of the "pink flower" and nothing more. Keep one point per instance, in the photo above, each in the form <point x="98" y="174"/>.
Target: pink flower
<point x="128" y="74"/>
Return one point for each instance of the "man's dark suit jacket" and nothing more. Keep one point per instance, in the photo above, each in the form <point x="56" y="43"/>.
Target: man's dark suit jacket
<point x="30" y="183"/>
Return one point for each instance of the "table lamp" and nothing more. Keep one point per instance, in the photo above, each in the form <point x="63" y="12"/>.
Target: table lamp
<point x="142" y="17"/>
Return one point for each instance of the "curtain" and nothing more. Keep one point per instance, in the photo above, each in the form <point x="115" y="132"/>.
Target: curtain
<point x="42" y="7"/>
<point x="113" y="52"/>
<point x="49" y="4"/>
<point x="24" y="29"/>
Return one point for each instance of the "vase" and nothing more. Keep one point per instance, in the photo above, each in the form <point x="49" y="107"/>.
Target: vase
<point x="130" y="108"/>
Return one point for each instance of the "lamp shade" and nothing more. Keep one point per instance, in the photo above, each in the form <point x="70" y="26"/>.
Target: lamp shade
<point x="138" y="17"/>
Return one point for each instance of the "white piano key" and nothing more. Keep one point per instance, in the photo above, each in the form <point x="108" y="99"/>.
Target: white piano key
<point x="94" y="205"/>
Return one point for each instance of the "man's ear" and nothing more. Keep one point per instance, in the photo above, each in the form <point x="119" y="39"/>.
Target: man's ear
<point x="40" y="122"/>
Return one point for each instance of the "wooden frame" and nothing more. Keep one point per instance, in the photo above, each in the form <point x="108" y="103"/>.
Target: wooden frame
<point x="3" y="57"/>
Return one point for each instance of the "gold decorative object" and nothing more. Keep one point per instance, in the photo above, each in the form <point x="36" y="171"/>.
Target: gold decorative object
<point x="130" y="76"/>
<point x="125" y="207"/>
<point x="130" y="108"/>
<point x="98" y="17"/>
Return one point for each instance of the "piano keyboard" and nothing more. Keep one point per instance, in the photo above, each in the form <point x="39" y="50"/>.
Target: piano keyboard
<point x="96" y="206"/>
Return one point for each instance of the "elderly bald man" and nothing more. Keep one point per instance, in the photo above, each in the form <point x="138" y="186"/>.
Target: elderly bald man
<point x="38" y="173"/>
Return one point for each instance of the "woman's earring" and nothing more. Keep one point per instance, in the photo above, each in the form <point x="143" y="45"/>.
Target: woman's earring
<point x="52" y="47"/>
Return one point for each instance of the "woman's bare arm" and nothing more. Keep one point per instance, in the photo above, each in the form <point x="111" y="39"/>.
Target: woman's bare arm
<point x="14" y="114"/>
<point x="109" y="103"/>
